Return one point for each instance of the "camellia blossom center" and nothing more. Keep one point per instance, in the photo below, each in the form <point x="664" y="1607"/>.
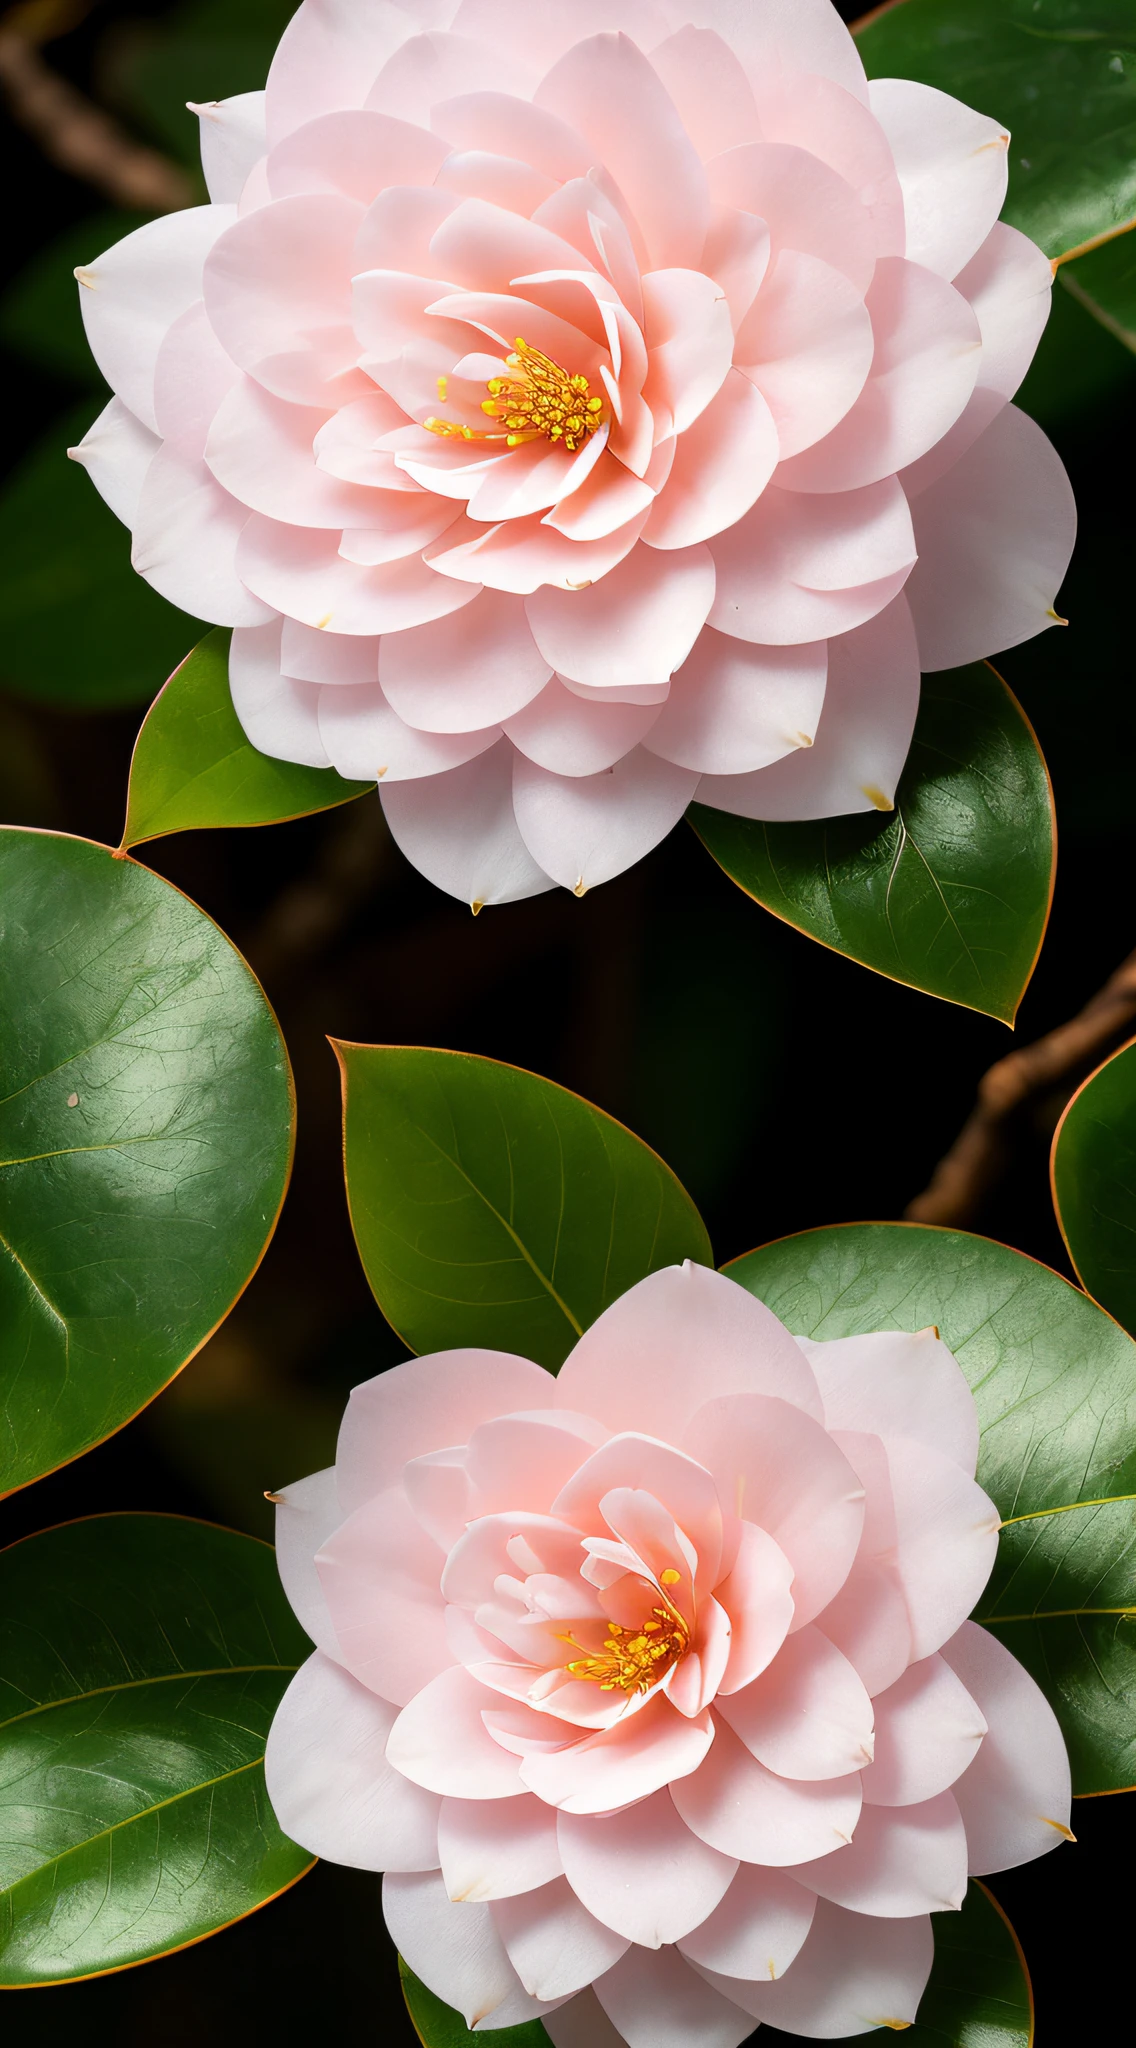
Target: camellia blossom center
<point x="632" y="1660"/>
<point x="541" y="400"/>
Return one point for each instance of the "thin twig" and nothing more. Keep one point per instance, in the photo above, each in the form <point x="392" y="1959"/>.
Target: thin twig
<point x="1054" y="1065"/>
<point x="81" y="139"/>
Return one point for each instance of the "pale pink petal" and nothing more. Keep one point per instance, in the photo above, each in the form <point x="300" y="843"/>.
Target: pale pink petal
<point x="395" y="1416"/>
<point x="737" y="255"/>
<point x="398" y="524"/>
<point x="132" y="294"/>
<point x="261" y="450"/>
<point x="327" y="58"/>
<point x="671" y="1342"/>
<point x="928" y="1730"/>
<point x="807" y="1715"/>
<point x="346" y="445"/>
<point x="438" y="1489"/>
<point x="804" y="567"/>
<point x="634" y="626"/>
<point x="721" y="464"/>
<point x="232" y="140"/>
<point x="994" y="535"/>
<point x="456" y="1951"/>
<point x="690" y="346"/>
<point x="928" y="350"/>
<point x="555" y="1945"/>
<point x="462" y="832"/>
<point x="498" y="121"/>
<point x="947" y="1539"/>
<point x="794" y="36"/>
<point x="806" y="205"/>
<point x="838" y="127"/>
<point x="278" y="715"/>
<point x="561" y="732"/>
<point x="757" y="1597"/>
<point x="278" y="291"/>
<point x="441" y="1741"/>
<point x="398" y="227"/>
<point x="869" y="1621"/>
<point x="584" y="829"/>
<point x="680" y="1485"/>
<point x="894" y="1384"/>
<point x="1014" y="1798"/>
<point x="486" y="247"/>
<point x="493" y="1849"/>
<point x="522" y="554"/>
<point x="336" y="658"/>
<point x="757" y="1930"/>
<point x="299" y="570"/>
<point x="192" y="375"/>
<point x="862" y="740"/>
<point x="380" y="1574"/>
<point x="501" y="180"/>
<point x="187" y="534"/>
<point x="483" y="1553"/>
<point x="952" y="165"/>
<point x="353" y="153"/>
<point x="432" y="67"/>
<point x="807" y="344"/>
<point x="657" y="2001"/>
<point x="307" y="1513"/>
<point x="777" y="1467"/>
<point x="642" y="1872"/>
<point x="743" y="1810"/>
<point x="331" y="1787"/>
<point x="902" y="1860"/>
<point x="467" y="672"/>
<point x="639" y="1755"/>
<point x="853" y="1974"/>
<point x="735" y="707"/>
<point x="116" y="451"/>
<point x="606" y="89"/>
<point x="585" y="214"/>
<point x="582" y="2023"/>
<point x="1010" y="285"/>
<point x="522" y="1461"/>
<point x="709" y="87"/>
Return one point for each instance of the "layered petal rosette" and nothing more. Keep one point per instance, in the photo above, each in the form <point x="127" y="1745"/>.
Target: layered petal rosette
<point x="583" y="409"/>
<point x="651" y="1686"/>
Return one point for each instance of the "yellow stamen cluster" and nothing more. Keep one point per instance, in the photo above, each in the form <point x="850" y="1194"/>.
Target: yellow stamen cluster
<point x="540" y="402"/>
<point x="633" y="1660"/>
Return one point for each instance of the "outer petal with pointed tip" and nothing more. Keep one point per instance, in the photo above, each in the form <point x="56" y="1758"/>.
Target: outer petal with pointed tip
<point x="330" y="1784"/>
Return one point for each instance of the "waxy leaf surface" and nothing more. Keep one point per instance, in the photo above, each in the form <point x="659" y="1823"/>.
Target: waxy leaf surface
<point x="193" y="766"/>
<point x="141" y="1660"/>
<point x="1054" y="1379"/>
<point x="146" y="1124"/>
<point x="1094" y="1184"/>
<point x="492" y="1207"/>
<point x="948" y="892"/>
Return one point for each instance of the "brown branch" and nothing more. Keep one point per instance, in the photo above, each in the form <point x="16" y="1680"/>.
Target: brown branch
<point x="1053" y="1066"/>
<point x="83" y="140"/>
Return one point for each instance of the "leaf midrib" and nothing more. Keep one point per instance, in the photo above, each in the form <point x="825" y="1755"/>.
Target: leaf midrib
<point x="135" y="1684"/>
<point x="507" y="1227"/>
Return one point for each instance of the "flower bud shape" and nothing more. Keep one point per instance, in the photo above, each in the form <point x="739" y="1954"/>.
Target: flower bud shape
<point x="582" y="409"/>
<point x="651" y="1686"/>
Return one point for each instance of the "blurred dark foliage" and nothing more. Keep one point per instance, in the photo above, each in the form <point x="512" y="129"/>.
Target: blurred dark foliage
<point x="786" y="1086"/>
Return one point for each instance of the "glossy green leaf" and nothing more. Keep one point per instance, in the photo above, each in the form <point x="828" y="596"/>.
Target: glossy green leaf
<point x="146" y="1126"/>
<point x="1061" y="75"/>
<point x="950" y="891"/>
<point x="491" y="1207"/>
<point x="1105" y="284"/>
<point x="1094" y="1184"/>
<point x="1054" y="1379"/>
<point x="141" y="1661"/>
<point x="78" y="626"/>
<point x="978" y="1995"/>
<point x="193" y="766"/>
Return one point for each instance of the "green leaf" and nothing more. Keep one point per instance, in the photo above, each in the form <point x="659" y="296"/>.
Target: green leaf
<point x="978" y="1995"/>
<point x="1105" y="284"/>
<point x="142" y="1658"/>
<point x="949" y="892"/>
<point x="193" y="766"/>
<point x="491" y="1207"/>
<point x="1061" y="75"/>
<point x="1094" y="1184"/>
<point x="146" y="1122"/>
<point x="439" y="2026"/>
<point x="78" y="626"/>
<point x="1054" y="1379"/>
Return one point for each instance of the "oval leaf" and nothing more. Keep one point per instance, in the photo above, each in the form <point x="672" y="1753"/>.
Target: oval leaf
<point x="1059" y="74"/>
<point x="978" y="1992"/>
<point x="142" y="1658"/>
<point x="950" y="892"/>
<point x="492" y="1207"/>
<point x="193" y="766"/>
<point x="1054" y="1379"/>
<point x="1093" y="1166"/>
<point x="146" y="1121"/>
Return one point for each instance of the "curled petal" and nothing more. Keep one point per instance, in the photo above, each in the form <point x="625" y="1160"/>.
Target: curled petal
<point x="131" y="296"/>
<point x="307" y="1513"/>
<point x="952" y="165"/>
<point x="721" y="464"/>
<point x="393" y="1417"/>
<point x="116" y="451"/>
<point x="638" y="1756"/>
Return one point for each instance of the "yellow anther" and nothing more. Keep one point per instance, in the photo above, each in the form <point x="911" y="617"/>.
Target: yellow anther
<point x="634" y="1660"/>
<point x="539" y="402"/>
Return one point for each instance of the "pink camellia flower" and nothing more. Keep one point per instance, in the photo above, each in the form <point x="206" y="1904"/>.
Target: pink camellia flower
<point x="580" y="411"/>
<point x="651" y="1686"/>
